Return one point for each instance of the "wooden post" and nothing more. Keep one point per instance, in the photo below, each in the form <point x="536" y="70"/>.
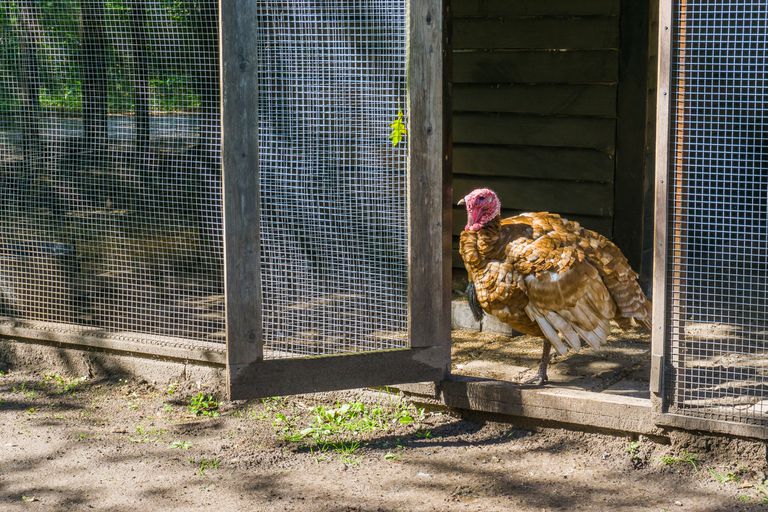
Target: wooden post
<point x="429" y="190"/>
<point x="240" y="163"/>
<point x="663" y="118"/>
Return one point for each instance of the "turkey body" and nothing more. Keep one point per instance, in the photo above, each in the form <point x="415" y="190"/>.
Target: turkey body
<point x="547" y="276"/>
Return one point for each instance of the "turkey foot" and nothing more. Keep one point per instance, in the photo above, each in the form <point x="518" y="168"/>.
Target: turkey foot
<point x="541" y="375"/>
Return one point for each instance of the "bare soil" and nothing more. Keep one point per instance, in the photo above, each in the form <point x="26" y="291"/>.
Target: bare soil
<point x="622" y="366"/>
<point x="122" y="445"/>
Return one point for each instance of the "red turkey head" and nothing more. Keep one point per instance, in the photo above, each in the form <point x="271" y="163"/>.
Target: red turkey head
<point x="482" y="207"/>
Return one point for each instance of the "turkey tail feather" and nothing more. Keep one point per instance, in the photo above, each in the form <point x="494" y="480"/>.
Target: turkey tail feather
<point x="474" y="304"/>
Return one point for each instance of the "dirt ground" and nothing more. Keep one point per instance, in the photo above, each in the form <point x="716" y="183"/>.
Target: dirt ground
<point x="621" y="366"/>
<point x="78" y="444"/>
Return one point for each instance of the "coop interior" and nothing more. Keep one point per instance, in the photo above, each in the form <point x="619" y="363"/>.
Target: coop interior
<point x="554" y="110"/>
<point x="111" y="187"/>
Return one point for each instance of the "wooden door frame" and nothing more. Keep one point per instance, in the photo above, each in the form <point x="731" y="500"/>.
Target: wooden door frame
<point x="429" y="211"/>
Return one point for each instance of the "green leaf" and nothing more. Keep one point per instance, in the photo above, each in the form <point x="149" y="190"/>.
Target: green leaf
<point x="398" y="130"/>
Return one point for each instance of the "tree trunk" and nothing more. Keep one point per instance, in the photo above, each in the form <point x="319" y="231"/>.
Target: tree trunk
<point x="94" y="79"/>
<point x="29" y="33"/>
<point x="140" y="76"/>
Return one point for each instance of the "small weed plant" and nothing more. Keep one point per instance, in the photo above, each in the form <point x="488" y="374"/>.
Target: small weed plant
<point x="181" y="445"/>
<point x="338" y="429"/>
<point x="723" y="478"/>
<point x="204" y="464"/>
<point x="63" y="385"/>
<point x="204" y="405"/>
<point x="684" y="458"/>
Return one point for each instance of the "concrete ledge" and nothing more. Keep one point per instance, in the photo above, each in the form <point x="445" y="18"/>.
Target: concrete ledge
<point x="97" y="363"/>
<point x="462" y="318"/>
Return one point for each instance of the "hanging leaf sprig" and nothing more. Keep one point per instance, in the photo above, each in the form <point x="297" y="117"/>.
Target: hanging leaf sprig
<point x="398" y="130"/>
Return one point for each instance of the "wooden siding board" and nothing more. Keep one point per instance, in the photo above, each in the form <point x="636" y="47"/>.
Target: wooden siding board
<point x="528" y="66"/>
<point x="544" y="99"/>
<point x="573" y="33"/>
<point x="537" y="195"/>
<point x="533" y="162"/>
<point x="535" y="131"/>
<point x="535" y="7"/>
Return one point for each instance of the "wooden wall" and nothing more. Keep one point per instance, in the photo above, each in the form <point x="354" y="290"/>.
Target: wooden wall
<point x="536" y="104"/>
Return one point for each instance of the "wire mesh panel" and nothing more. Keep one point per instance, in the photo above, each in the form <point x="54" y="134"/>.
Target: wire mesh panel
<point x="110" y="202"/>
<point x="718" y="266"/>
<point x="332" y="171"/>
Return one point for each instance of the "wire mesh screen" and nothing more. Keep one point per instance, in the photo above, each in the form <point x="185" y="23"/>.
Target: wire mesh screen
<point x="110" y="203"/>
<point x="719" y="232"/>
<point x="332" y="170"/>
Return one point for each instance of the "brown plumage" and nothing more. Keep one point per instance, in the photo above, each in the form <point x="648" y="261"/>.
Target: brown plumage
<point x="547" y="276"/>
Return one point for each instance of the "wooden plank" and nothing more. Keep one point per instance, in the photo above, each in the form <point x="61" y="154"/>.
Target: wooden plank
<point x="78" y="337"/>
<point x="556" y="33"/>
<point x="240" y="160"/>
<point x="600" y="224"/>
<point x="528" y="66"/>
<point x="429" y="179"/>
<point x="544" y="99"/>
<point x="661" y="165"/>
<point x="573" y="132"/>
<point x="535" y="7"/>
<point x="314" y="374"/>
<point x="542" y="195"/>
<point x="708" y="425"/>
<point x="630" y="130"/>
<point x="533" y="162"/>
<point x="571" y="406"/>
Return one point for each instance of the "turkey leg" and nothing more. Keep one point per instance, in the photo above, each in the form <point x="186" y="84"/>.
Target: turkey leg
<point x="541" y="375"/>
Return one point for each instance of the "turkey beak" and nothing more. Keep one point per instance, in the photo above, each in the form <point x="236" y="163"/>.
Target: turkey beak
<point x="461" y="202"/>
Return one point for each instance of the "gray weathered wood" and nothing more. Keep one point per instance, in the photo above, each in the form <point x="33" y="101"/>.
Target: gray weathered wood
<point x="546" y="99"/>
<point x="239" y="155"/>
<point x="708" y="425"/>
<point x="429" y="178"/>
<point x="552" y="404"/>
<point x="544" y="163"/>
<point x="308" y="375"/>
<point x="663" y="98"/>
<point x="571" y="132"/>
<point x="535" y="7"/>
<point x="630" y="130"/>
<point x="73" y="336"/>
<point x="553" y="33"/>
<point x="542" y="195"/>
<point x="527" y="66"/>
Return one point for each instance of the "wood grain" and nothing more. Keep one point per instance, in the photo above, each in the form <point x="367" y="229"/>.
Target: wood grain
<point x="240" y="163"/>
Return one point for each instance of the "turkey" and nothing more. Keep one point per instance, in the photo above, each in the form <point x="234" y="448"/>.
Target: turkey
<point x="547" y="276"/>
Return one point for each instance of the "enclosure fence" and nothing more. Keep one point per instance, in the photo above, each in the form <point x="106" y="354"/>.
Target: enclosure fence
<point x="718" y="243"/>
<point x="111" y="172"/>
<point x="110" y="201"/>
<point x="334" y="267"/>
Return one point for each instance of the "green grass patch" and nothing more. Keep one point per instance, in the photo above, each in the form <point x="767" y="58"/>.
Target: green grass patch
<point x="684" y="458"/>
<point x="62" y="385"/>
<point x="204" y="405"/>
<point x="204" y="464"/>
<point x="181" y="445"/>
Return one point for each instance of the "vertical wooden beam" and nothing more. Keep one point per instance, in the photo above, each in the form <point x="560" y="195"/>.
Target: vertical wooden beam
<point x="429" y="185"/>
<point x="631" y="128"/>
<point x="663" y="118"/>
<point x="240" y="162"/>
